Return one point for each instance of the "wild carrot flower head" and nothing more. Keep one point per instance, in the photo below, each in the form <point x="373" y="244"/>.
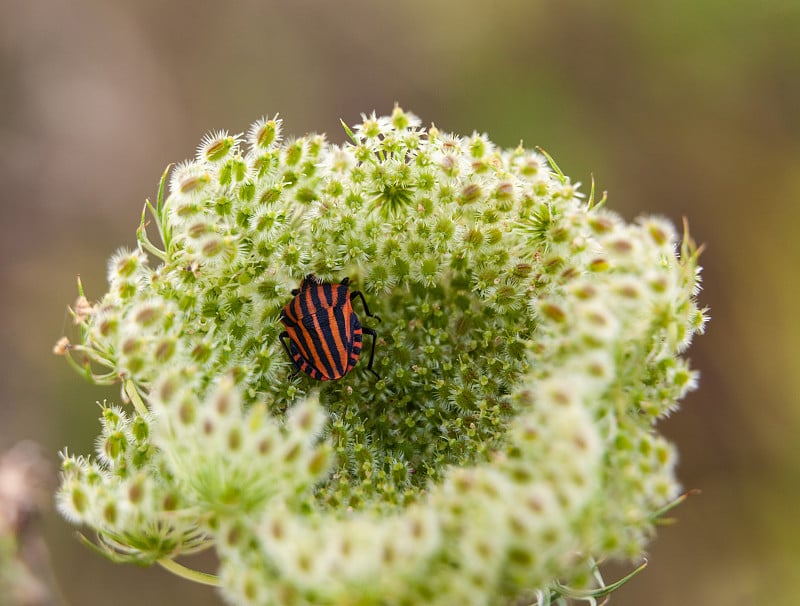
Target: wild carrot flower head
<point x="530" y="340"/>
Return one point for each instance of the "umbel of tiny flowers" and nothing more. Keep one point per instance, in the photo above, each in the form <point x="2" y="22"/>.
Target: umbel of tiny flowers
<point x="530" y="341"/>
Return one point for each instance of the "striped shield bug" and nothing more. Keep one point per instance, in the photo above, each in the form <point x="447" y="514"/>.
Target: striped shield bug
<point x="323" y="335"/>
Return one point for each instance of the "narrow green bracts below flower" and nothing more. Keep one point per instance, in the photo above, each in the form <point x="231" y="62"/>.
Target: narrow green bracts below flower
<point x="529" y="343"/>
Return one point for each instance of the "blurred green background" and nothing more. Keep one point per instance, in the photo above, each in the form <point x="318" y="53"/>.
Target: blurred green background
<point x="679" y="108"/>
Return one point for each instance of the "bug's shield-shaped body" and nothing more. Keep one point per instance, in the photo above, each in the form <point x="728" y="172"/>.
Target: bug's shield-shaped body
<point x="323" y="332"/>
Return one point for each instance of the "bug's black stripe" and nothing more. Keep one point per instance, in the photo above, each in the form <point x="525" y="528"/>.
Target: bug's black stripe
<point x="328" y="330"/>
<point x="327" y="291"/>
<point x="343" y="303"/>
<point x="340" y="326"/>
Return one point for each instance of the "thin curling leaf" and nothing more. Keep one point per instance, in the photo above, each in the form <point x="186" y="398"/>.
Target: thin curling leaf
<point x="530" y="341"/>
<point x="141" y="234"/>
<point x="349" y="131"/>
<point x="158" y="214"/>
<point x="561" y="592"/>
<point x="561" y="176"/>
<point x="600" y="203"/>
<point x="160" y="209"/>
<point x="658" y="516"/>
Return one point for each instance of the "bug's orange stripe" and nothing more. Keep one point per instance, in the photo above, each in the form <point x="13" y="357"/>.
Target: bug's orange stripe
<point x="288" y="311"/>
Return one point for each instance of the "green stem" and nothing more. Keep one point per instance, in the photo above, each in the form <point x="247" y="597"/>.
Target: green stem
<point x="133" y="394"/>
<point x="189" y="574"/>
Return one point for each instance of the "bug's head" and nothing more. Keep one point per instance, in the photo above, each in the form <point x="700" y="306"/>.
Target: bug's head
<point x="308" y="281"/>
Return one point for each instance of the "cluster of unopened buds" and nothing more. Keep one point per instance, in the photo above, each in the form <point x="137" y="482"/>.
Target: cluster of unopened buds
<point x="411" y="369"/>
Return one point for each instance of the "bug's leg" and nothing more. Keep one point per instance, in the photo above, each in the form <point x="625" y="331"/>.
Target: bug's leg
<point x="345" y="282"/>
<point x="360" y="295"/>
<point x="281" y="337"/>
<point x="374" y="335"/>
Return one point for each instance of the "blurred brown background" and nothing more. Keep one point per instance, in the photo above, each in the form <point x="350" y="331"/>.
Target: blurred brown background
<point x="681" y="107"/>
